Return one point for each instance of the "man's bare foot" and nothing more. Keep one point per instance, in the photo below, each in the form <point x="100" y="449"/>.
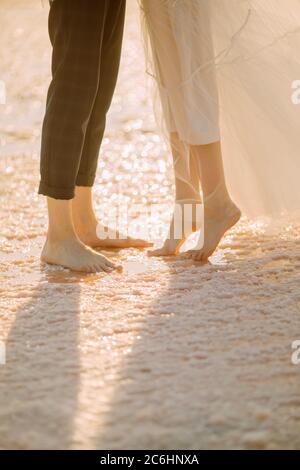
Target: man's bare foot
<point x="217" y="221"/>
<point x="186" y="220"/>
<point x="90" y="234"/>
<point x="73" y="254"/>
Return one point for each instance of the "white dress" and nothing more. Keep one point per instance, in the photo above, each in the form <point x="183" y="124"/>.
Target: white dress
<point x="227" y="70"/>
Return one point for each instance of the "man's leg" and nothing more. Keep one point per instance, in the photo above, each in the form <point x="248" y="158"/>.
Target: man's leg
<point x="108" y="73"/>
<point x="76" y="34"/>
<point x="84" y="216"/>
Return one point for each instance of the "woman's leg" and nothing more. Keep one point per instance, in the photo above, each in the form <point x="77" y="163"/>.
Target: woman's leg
<point x="76" y="34"/>
<point x="185" y="187"/>
<point x="192" y="101"/>
<point x="186" y="216"/>
<point x="220" y="212"/>
<point x="166" y="60"/>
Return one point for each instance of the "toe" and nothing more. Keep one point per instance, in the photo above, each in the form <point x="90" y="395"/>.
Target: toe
<point x="198" y="256"/>
<point x="205" y="256"/>
<point x="122" y="241"/>
<point x="113" y="266"/>
<point x="110" y="264"/>
<point x="106" y="268"/>
<point x="80" y="268"/>
<point x="158" y="252"/>
<point x="91" y="269"/>
<point x="201" y="257"/>
<point x="184" y="255"/>
<point x="153" y="252"/>
<point x="145" y="243"/>
<point x="139" y="243"/>
<point x="119" y="268"/>
<point x="189" y="254"/>
<point x="192" y="254"/>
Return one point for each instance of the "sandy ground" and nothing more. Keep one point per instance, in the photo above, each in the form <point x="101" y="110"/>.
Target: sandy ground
<point x="168" y="355"/>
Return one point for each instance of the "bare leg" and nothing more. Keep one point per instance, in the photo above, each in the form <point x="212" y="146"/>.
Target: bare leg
<point x="64" y="248"/>
<point x="220" y="212"/>
<point x="187" y="198"/>
<point x="86" y="224"/>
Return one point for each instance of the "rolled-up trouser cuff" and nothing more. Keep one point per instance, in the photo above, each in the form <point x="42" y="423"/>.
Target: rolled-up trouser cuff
<point x="85" y="180"/>
<point x="56" y="193"/>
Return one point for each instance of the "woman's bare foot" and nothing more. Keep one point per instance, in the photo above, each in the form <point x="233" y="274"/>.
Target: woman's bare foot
<point x="73" y="254"/>
<point x="185" y="221"/>
<point x="217" y="220"/>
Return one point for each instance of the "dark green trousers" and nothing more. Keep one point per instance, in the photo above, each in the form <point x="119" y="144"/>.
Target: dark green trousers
<point x="86" y="36"/>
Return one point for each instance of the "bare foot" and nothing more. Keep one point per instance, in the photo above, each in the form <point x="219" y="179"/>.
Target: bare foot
<point x="93" y="234"/>
<point x="186" y="219"/>
<point x="73" y="254"/>
<point x="216" y="223"/>
<point x="88" y="234"/>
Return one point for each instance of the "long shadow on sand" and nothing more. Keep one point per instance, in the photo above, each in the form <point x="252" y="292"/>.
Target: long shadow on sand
<point x="211" y="367"/>
<point x="39" y="383"/>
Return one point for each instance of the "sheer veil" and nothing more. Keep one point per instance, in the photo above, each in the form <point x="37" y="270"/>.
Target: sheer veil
<point x="249" y="53"/>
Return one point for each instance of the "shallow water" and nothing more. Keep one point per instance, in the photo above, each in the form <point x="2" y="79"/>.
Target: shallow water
<point x="170" y="354"/>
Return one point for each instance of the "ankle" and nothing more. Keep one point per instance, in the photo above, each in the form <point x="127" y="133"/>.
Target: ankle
<point x="187" y="195"/>
<point x="186" y="191"/>
<point x="85" y="224"/>
<point x="219" y="196"/>
<point x="83" y="216"/>
<point x="55" y="237"/>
